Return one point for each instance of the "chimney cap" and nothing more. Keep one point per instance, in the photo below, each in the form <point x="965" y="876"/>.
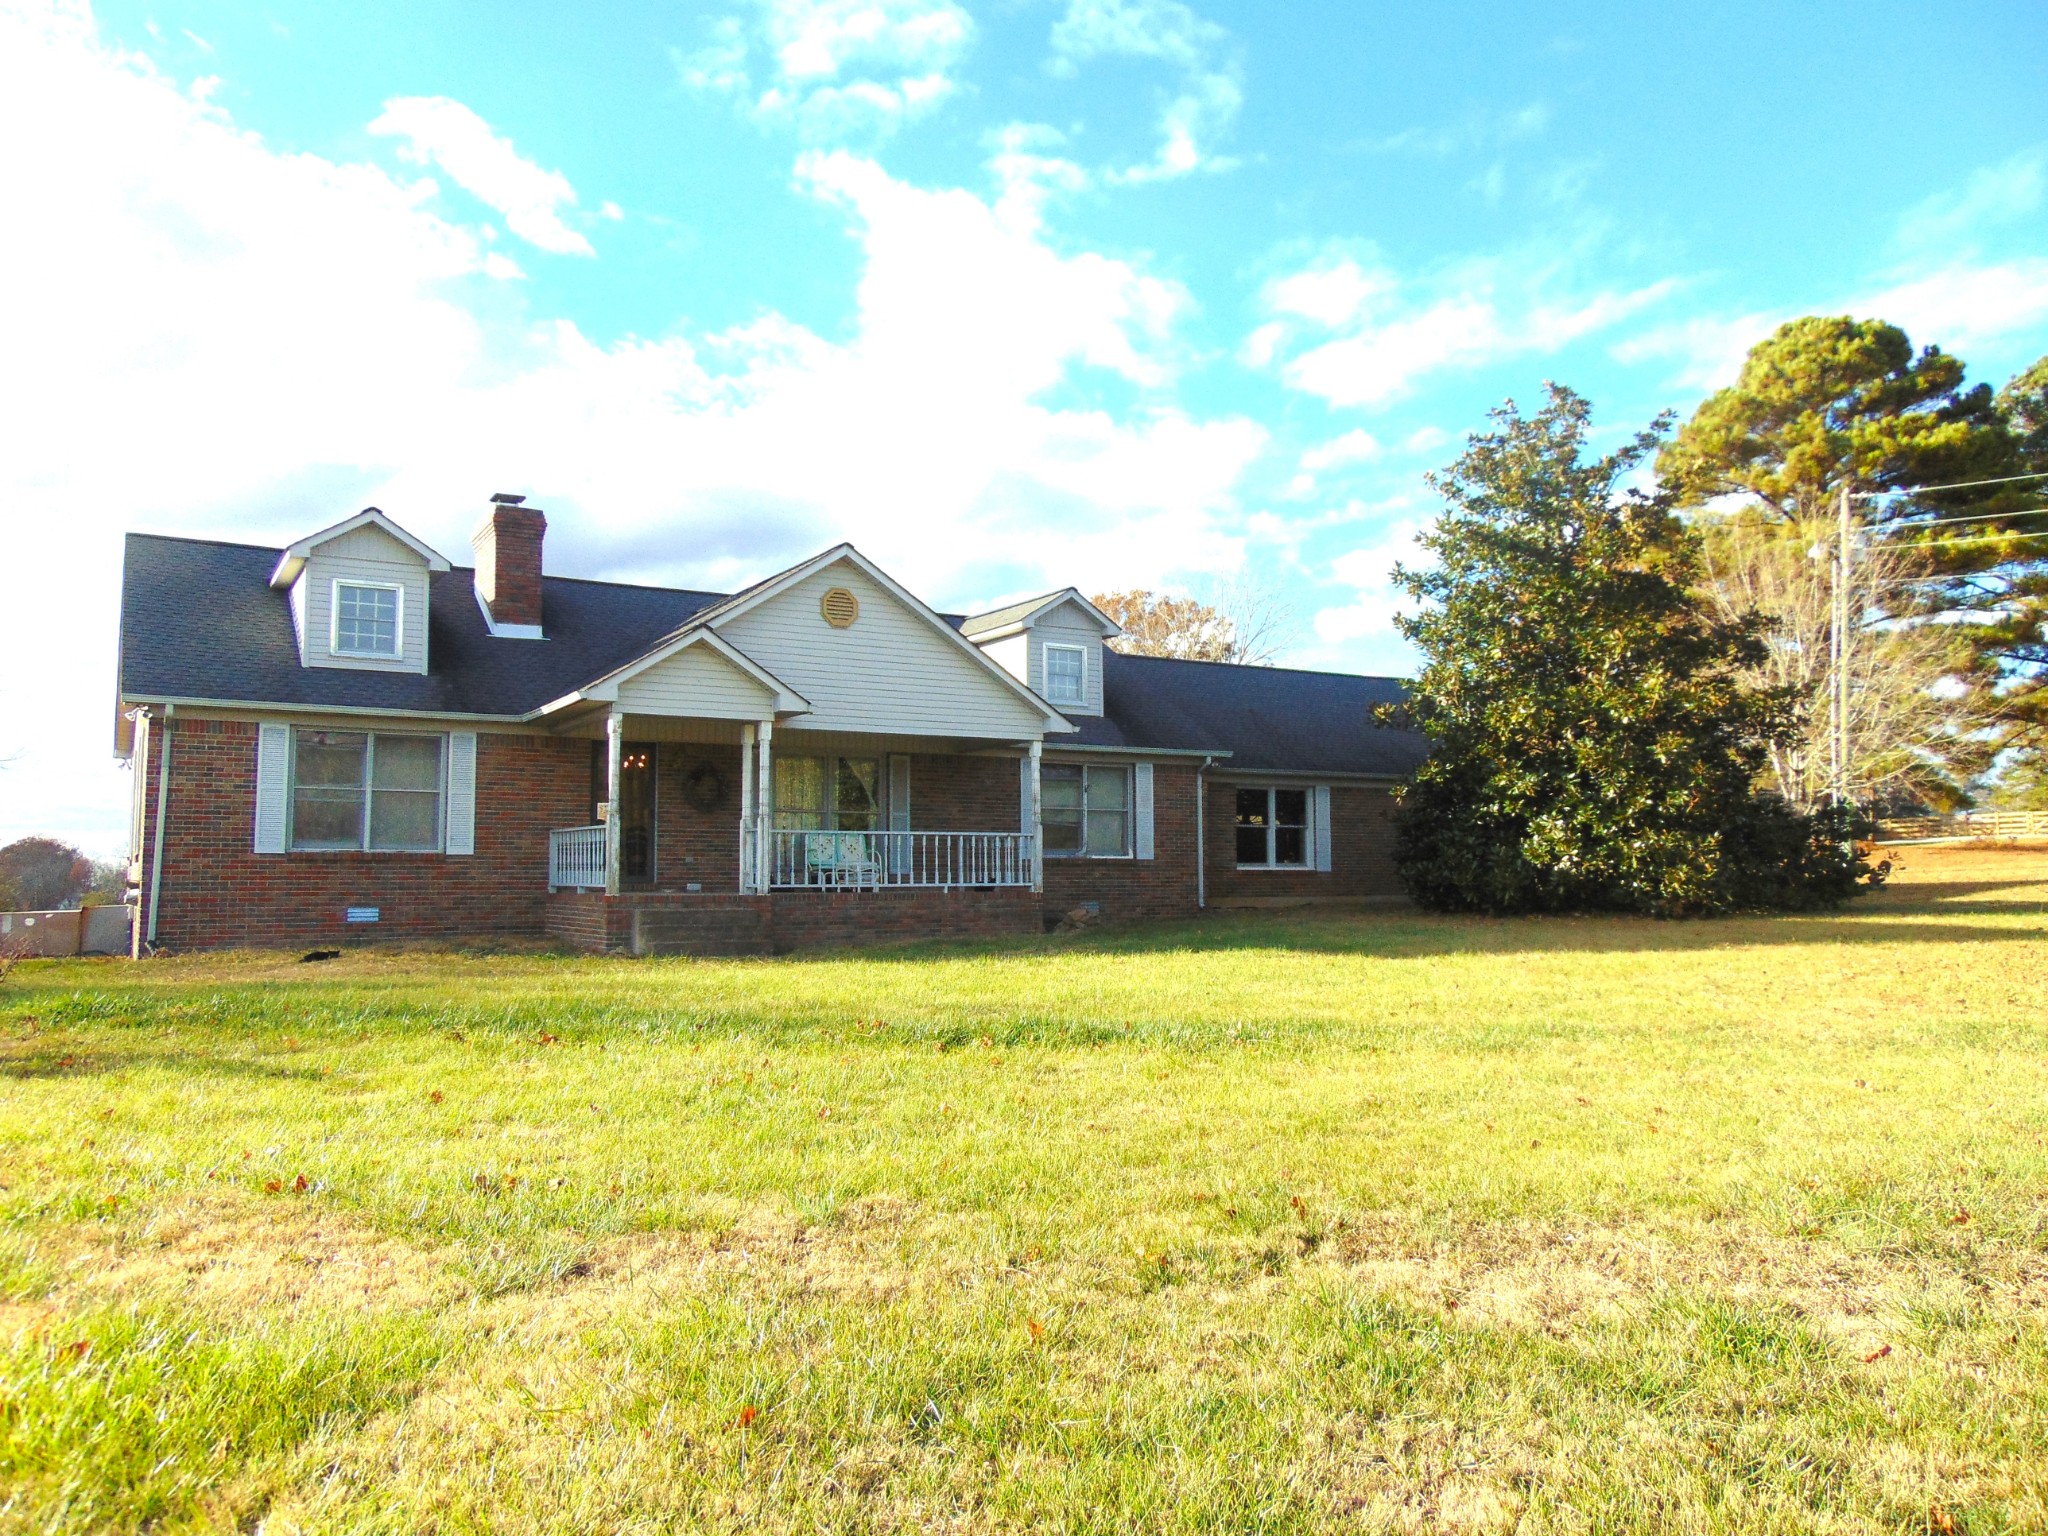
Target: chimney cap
<point x="506" y="498"/>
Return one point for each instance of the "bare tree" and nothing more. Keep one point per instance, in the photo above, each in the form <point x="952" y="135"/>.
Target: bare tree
<point x="1245" y="620"/>
<point x="1916" y="731"/>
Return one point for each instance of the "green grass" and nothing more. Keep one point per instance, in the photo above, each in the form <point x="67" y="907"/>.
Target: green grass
<point x="1266" y="1223"/>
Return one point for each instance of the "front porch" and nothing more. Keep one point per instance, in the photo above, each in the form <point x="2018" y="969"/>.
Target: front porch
<point x="714" y="837"/>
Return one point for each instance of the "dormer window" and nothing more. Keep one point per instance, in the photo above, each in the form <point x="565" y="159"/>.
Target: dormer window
<point x="1066" y="674"/>
<point x="367" y="616"/>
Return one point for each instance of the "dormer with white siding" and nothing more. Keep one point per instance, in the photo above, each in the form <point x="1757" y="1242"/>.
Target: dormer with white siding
<point x="1053" y="644"/>
<point x="358" y="594"/>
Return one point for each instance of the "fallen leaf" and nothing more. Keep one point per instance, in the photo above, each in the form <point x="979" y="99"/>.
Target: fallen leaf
<point x="1300" y="1206"/>
<point x="1877" y="1354"/>
<point x="748" y="1414"/>
<point x="544" y="1038"/>
<point x="434" y="1097"/>
<point x="245" y="1157"/>
<point x="1959" y="1219"/>
<point x="77" y="1349"/>
<point x="300" y="1184"/>
<point x="272" y="1186"/>
<point x="1035" y="1327"/>
<point x="824" y="1111"/>
<point x="1533" y="1145"/>
<point x="1939" y="1519"/>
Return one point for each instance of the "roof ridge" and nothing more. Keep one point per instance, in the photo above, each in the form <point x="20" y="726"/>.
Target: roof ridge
<point x="186" y="538"/>
<point x="1257" y="666"/>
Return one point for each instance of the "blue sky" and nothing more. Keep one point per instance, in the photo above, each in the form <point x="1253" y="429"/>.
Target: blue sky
<point x="1110" y="292"/>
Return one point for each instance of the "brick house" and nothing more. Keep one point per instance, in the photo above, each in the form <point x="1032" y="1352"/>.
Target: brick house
<point x="350" y="738"/>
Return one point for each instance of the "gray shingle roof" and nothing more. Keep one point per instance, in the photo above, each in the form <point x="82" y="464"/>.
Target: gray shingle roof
<point x="199" y="620"/>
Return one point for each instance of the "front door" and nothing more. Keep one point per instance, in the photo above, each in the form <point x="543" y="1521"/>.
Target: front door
<point x="635" y="809"/>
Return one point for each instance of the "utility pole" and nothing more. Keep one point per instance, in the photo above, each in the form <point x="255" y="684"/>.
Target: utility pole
<point x="1840" y="641"/>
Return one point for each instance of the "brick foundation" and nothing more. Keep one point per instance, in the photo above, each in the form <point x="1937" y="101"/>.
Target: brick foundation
<point x="806" y="919"/>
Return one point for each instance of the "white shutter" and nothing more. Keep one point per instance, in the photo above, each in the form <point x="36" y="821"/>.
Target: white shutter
<point x="1141" y="800"/>
<point x="273" y="773"/>
<point x="1319" y="800"/>
<point x="1024" y="795"/>
<point x="461" y="801"/>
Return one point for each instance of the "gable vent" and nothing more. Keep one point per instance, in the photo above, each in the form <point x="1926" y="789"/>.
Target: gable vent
<point x="840" y="608"/>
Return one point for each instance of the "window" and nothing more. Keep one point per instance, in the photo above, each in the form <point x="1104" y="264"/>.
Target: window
<point x="366" y="618"/>
<point x="1066" y="674"/>
<point x="836" y="794"/>
<point x="1086" y="812"/>
<point x="355" y="789"/>
<point x="1272" y="828"/>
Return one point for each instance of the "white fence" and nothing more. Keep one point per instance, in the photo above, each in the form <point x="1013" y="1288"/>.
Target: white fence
<point x="576" y="858"/>
<point x="871" y="860"/>
<point x="1966" y="827"/>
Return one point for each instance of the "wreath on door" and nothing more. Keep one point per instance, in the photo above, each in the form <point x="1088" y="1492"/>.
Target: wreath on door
<point x="703" y="786"/>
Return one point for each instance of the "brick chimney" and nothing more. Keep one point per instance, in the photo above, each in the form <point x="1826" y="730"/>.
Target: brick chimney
<point x="507" y="544"/>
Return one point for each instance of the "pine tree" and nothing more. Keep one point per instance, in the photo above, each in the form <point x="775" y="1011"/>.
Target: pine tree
<point x="1594" y="744"/>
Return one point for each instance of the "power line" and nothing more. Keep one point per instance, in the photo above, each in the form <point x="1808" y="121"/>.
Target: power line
<point x="1982" y="517"/>
<point x="1959" y="485"/>
<point x="1994" y="538"/>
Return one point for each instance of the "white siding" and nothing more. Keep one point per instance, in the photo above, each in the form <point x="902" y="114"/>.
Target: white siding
<point x="363" y="554"/>
<point x="892" y="673"/>
<point x="1013" y="655"/>
<point x="1064" y="624"/>
<point x="697" y="681"/>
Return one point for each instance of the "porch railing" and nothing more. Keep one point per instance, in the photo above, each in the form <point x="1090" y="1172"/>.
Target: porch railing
<point x="576" y="858"/>
<point x="872" y="860"/>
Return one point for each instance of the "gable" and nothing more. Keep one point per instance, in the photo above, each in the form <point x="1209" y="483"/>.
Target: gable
<point x="697" y="681"/>
<point x="892" y="671"/>
<point x="362" y="554"/>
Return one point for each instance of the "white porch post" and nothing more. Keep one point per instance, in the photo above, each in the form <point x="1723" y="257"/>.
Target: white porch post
<point x="764" y="806"/>
<point x="614" y="738"/>
<point x="750" y="857"/>
<point x="1037" y="818"/>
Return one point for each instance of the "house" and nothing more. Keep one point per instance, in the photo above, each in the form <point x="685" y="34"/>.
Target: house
<point x="351" y="737"/>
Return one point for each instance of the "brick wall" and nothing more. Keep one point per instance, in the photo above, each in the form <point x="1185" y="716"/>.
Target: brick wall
<point x="216" y="891"/>
<point x="1134" y="889"/>
<point x="807" y="919"/>
<point x="691" y="842"/>
<point x="1361" y="851"/>
<point x="957" y="793"/>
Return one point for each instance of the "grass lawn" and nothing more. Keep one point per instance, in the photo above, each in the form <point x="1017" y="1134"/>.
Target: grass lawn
<point x="1262" y="1223"/>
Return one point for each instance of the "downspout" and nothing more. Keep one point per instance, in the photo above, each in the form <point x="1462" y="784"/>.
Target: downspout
<point x="163" y="800"/>
<point x="138" y="829"/>
<point x="1201" y="857"/>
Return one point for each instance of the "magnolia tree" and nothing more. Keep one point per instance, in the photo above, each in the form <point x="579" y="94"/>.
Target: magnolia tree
<point x="1596" y="736"/>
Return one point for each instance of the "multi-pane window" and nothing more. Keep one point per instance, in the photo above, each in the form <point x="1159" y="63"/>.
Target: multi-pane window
<point x="836" y="794"/>
<point x="1066" y="674"/>
<point x="1272" y="828"/>
<point x="365" y="619"/>
<point x="358" y="789"/>
<point x="1086" y="811"/>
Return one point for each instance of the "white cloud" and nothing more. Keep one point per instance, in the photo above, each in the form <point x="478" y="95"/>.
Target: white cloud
<point x="1354" y="447"/>
<point x="1948" y="224"/>
<point x="833" y="68"/>
<point x="1391" y="333"/>
<point x="1967" y="307"/>
<point x="1477" y="130"/>
<point x="1210" y="91"/>
<point x="1368" y="613"/>
<point x="1943" y="292"/>
<point x="441" y="132"/>
<point x="243" y="343"/>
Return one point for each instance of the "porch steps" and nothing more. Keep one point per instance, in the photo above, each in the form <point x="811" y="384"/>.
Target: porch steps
<point x="720" y="928"/>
